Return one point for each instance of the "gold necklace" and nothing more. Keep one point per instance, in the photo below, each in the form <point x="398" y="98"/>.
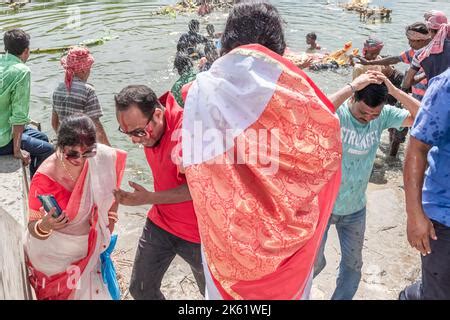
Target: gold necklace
<point x="65" y="168"/>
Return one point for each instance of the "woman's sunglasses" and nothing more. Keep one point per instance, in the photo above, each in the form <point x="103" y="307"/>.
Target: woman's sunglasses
<point x="73" y="155"/>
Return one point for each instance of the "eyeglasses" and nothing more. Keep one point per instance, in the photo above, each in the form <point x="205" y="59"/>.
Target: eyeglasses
<point x="72" y="155"/>
<point x="138" y="132"/>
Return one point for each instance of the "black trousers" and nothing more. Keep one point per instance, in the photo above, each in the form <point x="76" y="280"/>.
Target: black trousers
<point x="435" y="284"/>
<point x="156" y="250"/>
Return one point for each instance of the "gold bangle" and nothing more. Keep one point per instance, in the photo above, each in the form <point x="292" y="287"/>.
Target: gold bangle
<point x="39" y="231"/>
<point x="113" y="218"/>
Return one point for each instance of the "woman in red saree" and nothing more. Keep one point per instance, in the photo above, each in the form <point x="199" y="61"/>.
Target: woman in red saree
<point x="63" y="254"/>
<point x="261" y="148"/>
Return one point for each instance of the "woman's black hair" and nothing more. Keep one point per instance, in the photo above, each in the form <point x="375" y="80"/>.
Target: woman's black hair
<point x="76" y="130"/>
<point x="254" y="22"/>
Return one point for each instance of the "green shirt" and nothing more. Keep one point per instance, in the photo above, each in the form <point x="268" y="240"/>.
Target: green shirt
<point x="359" y="148"/>
<point x="14" y="95"/>
<point x="178" y="85"/>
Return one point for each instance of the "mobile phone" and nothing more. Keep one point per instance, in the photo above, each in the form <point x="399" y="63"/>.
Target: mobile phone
<point x="49" y="202"/>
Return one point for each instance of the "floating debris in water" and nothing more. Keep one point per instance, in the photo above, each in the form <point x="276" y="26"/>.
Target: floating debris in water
<point x="368" y="13"/>
<point x="16" y="4"/>
<point x="202" y="7"/>
<point x="62" y="49"/>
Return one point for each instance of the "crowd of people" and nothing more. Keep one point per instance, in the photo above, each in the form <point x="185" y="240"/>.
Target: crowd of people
<point x="252" y="164"/>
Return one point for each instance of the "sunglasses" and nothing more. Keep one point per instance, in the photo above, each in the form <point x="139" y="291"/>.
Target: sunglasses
<point x="139" y="133"/>
<point x="73" y="155"/>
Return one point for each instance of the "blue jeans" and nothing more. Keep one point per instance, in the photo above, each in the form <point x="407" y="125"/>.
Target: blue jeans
<point x="34" y="142"/>
<point x="350" y="229"/>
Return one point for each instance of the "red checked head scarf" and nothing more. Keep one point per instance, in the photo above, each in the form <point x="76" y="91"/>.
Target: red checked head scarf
<point x="372" y="44"/>
<point x="78" y="59"/>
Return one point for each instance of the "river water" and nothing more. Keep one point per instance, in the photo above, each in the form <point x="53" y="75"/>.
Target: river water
<point x="144" y="49"/>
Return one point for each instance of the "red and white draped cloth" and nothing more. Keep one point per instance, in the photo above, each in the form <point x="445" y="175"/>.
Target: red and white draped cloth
<point x="66" y="266"/>
<point x="261" y="147"/>
<point x="436" y="46"/>
<point x="434" y="19"/>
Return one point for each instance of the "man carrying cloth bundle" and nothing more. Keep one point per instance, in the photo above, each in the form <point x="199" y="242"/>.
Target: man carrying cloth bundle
<point x="264" y="189"/>
<point x="75" y="95"/>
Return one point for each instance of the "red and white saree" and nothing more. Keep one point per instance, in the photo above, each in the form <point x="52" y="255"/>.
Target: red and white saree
<point x="67" y="264"/>
<point x="261" y="148"/>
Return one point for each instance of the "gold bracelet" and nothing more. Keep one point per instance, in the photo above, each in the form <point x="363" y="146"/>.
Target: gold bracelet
<point x="39" y="231"/>
<point x="113" y="218"/>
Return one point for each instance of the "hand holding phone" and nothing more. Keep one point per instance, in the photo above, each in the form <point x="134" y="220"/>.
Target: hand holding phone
<point x="49" y="202"/>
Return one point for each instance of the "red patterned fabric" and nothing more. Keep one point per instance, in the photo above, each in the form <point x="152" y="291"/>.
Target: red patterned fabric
<point x="61" y="286"/>
<point x="261" y="232"/>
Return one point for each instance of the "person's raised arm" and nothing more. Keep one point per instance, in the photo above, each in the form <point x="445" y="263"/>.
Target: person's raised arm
<point x="410" y="103"/>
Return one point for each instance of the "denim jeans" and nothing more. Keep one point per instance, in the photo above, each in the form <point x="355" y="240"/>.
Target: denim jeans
<point x="435" y="284"/>
<point x="157" y="248"/>
<point x="34" y="142"/>
<point x="350" y="229"/>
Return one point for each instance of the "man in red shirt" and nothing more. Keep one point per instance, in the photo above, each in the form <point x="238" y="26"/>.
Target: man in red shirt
<point x="171" y="226"/>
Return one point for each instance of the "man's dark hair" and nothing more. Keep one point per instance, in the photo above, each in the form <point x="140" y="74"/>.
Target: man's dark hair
<point x="76" y="130"/>
<point x="182" y="63"/>
<point x="373" y="95"/>
<point x="312" y="35"/>
<point x="254" y="22"/>
<point x="418" y="27"/>
<point x="140" y="95"/>
<point x="16" y="41"/>
<point x="194" y="25"/>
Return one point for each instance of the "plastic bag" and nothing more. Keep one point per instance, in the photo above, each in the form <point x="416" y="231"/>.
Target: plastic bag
<point x="108" y="270"/>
